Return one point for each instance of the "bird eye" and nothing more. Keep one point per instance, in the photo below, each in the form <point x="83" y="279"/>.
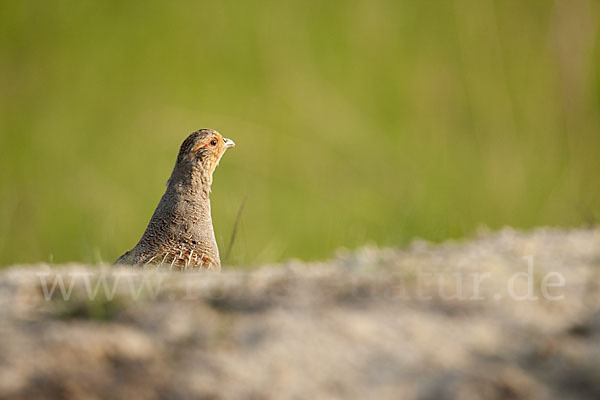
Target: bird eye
<point x="213" y="142"/>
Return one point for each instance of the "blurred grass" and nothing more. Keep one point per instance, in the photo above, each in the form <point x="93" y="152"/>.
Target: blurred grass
<point x="357" y="121"/>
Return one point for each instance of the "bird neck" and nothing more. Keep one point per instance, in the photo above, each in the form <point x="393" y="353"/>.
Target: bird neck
<point x="189" y="199"/>
<point x="198" y="182"/>
<point x="184" y="212"/>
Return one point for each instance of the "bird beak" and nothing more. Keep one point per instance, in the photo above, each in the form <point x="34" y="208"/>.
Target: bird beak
<point x="228" y="143"/>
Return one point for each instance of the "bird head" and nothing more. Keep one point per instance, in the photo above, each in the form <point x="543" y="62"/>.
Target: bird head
<point x="200" y="154"/>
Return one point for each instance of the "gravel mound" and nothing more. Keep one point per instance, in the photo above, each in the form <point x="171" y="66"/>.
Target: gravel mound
<point x="504" y="315"/>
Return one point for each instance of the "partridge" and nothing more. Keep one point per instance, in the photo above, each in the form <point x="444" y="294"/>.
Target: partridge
<point x="180" y="233"/>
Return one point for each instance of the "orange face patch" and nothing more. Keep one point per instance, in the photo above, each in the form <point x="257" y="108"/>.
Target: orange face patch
<point x="198" y="147"/>
<point x="194" y="149"/>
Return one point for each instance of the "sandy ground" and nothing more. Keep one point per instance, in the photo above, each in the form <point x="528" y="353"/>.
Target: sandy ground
<point x="503" y="315"/>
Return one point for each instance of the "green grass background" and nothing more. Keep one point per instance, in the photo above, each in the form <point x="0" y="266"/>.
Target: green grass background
<point x="355" y="121"/>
